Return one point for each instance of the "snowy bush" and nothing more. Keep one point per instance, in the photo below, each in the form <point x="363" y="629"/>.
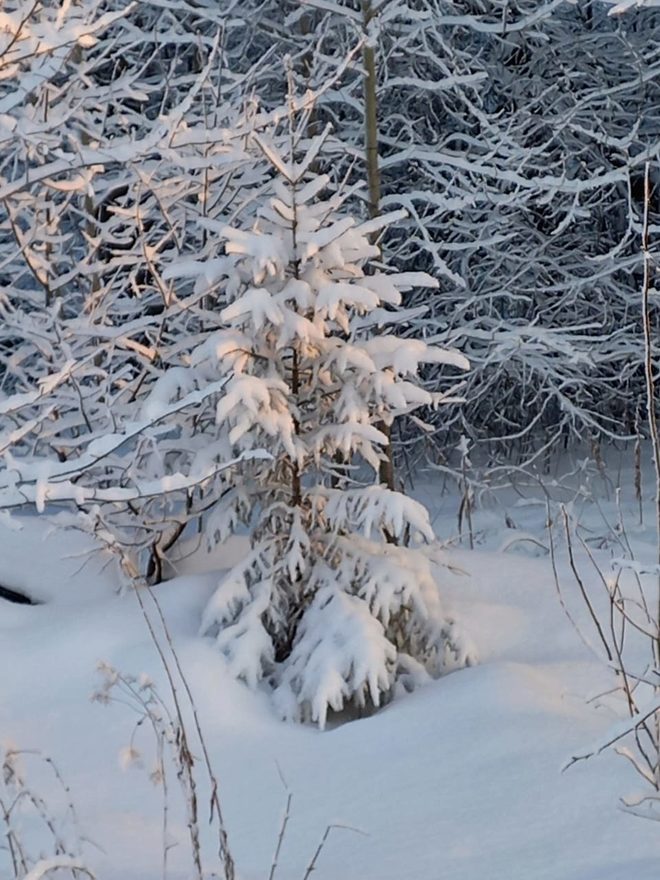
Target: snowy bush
<point x="115" y="167"/>
<point x="337" y="599"/>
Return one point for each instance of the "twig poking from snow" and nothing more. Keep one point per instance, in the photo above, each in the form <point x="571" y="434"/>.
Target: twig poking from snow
<point x="616" y="733"/>
<point x="323" y="841"/>
<point x="555" y="574"/>
<point x="583" y="589"/>
<point x="281" y="835"/>
<point x="57" y="863"/>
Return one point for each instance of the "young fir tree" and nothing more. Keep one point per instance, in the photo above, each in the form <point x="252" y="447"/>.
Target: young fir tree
<point x="326" y="606"/>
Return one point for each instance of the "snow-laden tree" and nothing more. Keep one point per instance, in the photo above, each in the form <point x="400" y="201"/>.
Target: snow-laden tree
<point x="521" y="195"/>
<point x="337" y="599"/>
<point x="112" y="164"/>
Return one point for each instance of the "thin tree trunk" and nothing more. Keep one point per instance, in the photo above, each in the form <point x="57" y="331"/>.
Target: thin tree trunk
<point x="652" y="420"/>
<point x="370" y="113"/>
<point x="386" y="470"/>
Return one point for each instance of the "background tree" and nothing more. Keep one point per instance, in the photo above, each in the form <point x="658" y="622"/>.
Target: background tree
<point x="523" y="194"/>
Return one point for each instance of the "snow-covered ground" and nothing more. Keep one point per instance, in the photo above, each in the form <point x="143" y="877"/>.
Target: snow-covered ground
<point x="459" y="780"/>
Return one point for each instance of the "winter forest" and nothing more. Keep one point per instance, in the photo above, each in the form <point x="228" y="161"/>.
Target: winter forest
<point x="330" y="439"/>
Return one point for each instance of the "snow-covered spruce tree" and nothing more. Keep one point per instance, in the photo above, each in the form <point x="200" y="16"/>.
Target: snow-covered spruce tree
<point x="327" y="606"/>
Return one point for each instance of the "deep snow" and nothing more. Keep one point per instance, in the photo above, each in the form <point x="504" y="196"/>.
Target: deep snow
<point x="460" y="780"/>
